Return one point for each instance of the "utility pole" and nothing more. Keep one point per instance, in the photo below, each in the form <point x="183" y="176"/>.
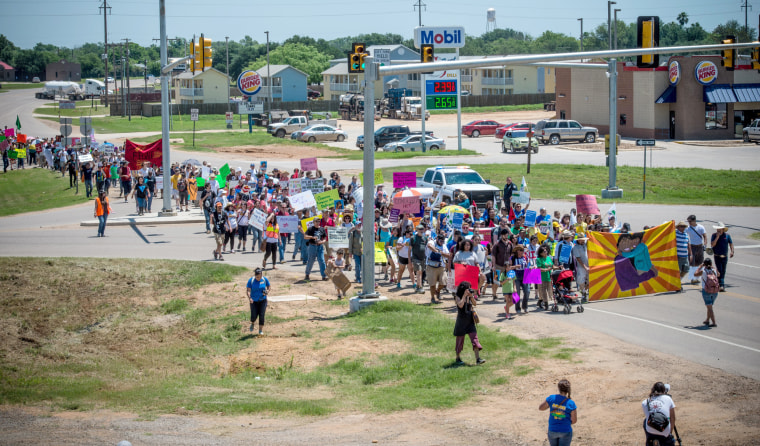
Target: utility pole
<point x="418" y="6"/>
<point x="581" y="20"/>
<point x="269" y="82"/>
<point x="227" y="67"/>
<point x="616" y="26"/>
<point x="165" y="95"/>
<point x="746" y="6"/>
<point x="609" y="23"/>
<point x="423" y="94"/>
<point x="106" y="10"/>
<point x="128" y="103"/>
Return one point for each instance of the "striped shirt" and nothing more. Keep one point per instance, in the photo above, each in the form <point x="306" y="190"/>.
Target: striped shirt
<point x="682" y="244"/>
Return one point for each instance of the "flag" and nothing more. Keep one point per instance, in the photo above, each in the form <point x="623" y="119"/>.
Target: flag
<point x="18" y="123"/>
<point x="221" y="179"/>
<point x="523" y="185"/>
<point x="92" y="136"/>
<point x="612" y="212"/>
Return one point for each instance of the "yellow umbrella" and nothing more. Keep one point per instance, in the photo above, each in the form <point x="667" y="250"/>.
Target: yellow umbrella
<point x="454" y="209"/>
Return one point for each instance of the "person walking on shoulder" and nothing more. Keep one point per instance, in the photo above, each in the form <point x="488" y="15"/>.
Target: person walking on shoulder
<point x="258" y="288"/>
<point x="721" y="242"/>
<point x="659" y="416"/>
<point x="102" y="211"/>
<point x="698" y="241"/>
<point x="710" y="287"/>
<point x="562" y="415"/>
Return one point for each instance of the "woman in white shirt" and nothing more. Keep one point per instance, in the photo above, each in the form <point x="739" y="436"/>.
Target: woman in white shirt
<point x="659" y="401"/>
<point x="402" y="248"/>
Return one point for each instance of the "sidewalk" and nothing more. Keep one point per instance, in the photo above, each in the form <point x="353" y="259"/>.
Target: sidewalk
<point x="194" y="216"/>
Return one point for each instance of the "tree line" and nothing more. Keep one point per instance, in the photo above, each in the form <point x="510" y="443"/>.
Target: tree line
<point x="313" y="56"/>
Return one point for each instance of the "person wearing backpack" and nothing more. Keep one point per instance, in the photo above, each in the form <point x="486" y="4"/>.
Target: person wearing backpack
<point x="562" y="415"/>
<point x="710" y="288"/>
<point x="208" y="197"/>
<point x="659" y="416"/>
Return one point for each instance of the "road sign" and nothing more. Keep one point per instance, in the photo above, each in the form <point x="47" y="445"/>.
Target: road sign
<point x="65" y="130"/>
<point x="645" y="142"/>
<point x="250" y="108"/>
<point x="85" y="125"/>
<point x="66" y="121"/>
<point x="66" y="105"/>
<point x="382" y="56"/>
<point x="228" y="117"/>
<point x="193" y="114"/>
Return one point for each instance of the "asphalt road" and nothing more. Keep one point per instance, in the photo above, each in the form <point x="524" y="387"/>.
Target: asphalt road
<point x="667" y="322"/>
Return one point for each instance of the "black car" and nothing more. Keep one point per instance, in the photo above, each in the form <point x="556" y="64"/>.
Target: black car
<point x="388" y="134"/>
<point x="313" y="94"/>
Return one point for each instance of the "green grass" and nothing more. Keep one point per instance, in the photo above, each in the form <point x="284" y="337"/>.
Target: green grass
<point x="31" y="190"/>
<point x="664" y="185"/>
<point x="19" y="86"/>
<point x="181" y="123"/>
<point x="491" y="109"/>
<point x="73" y="113"/>
<point x="84" y="103"/>
<point x="755" y="235"/>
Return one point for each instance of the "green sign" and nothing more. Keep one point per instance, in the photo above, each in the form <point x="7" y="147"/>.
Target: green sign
<point x="327" y="199"/>
<point x="447" y="102"/>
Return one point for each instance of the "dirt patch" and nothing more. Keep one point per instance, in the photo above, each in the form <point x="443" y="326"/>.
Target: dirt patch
<point x="280" y="151"/>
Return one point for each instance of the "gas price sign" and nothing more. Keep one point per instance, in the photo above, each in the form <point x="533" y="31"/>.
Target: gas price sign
<point x="441" y="94"/>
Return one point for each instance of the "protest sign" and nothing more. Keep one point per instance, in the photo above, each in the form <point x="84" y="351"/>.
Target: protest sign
<point x="12" y="154"/>
<point x="308" y="164"/>
<point x="358" y="194"/>
<point x="160" y="182"/>
<point x="21" y="137"/>
<point x="407" y="204"/>
<point x="294" y="186"/>
<point x="338" y="237"/>
<point x="205" y="172"/>
<point x="532" y="275"/>
<point x="521" y="197"/>
<point x="200" y="181"/>
<point x="456" y="220"/>
<point x="404" y="179"/>
<point x="288" y="224"/>
<point x="9" y="133"/>
<point x="326" y="199"/>
<point x="338" y="204"/>
<point x="586" y="204"/>
<point x="315" y="185"/>
<point x="258" y="219"/>
<point x="530" y="218"/>
<point x="85" y="158"/>
<point x="564" y="253"/>
<point x="378" y="177"/>
<point x="306" y="223"/>
<point x="303" y="200"/>
<point x="221" y="179"/>
<point x="467" y="273"/>
<point x="393" y="218"/>
<point x="380" y="253"/>
<point x="283" y="184"/>
<point x="486" y="234"/>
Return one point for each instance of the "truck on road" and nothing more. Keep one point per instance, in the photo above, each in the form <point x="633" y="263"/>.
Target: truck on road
<point x="294" y="123"/>
<point x="399" y="103"/>
<point x="58" y="88"/>
<point x="447" y="179"/>
<point x="351" y="107"/>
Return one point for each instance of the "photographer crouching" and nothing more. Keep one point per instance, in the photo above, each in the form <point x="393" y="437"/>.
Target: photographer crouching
<point x="466" y="321"/>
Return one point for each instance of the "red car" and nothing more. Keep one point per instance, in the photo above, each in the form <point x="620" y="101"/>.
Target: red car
<point x="481" y="127"/>
<point x="499" y="134"/>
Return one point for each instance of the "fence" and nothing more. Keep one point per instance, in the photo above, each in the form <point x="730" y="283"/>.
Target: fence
<point x="507" y="99"/>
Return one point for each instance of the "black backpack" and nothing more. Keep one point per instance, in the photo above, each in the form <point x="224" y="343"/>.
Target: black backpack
<point x="656" y="419"/>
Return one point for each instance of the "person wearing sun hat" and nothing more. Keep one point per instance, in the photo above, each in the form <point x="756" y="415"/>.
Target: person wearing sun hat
<point x="723" y="248"/>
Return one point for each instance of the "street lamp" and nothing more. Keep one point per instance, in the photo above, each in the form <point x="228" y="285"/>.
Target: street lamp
<point x="581" y="20"/>
<point x="616" y="26"/>
<point x="269" y="79"/>
<point x="609" y="26"/>
<point x="227" y="65"/>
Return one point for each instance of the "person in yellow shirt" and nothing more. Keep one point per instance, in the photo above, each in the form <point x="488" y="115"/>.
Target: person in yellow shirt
<point x="175" y="192"/>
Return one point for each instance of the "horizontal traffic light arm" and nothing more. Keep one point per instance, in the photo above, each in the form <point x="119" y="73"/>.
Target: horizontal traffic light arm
<point x="169" y="67"/>
<point x="533" y="58"/>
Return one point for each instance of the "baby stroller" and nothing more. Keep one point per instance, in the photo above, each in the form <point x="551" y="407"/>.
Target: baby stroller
<point x="562" y="292"/>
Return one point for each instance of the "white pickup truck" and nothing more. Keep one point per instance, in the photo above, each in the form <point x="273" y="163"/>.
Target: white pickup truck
<point x="295" y="123"/>
<point x="447" y="179"/>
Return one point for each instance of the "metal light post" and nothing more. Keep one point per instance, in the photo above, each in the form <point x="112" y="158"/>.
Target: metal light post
<point x="368" y="183"/>
<point x="227" y="65"/>
<point x="581" y="20"/>
<point x="612" y="190"/>
<point x="616" y="26"/>
<point x="269" y="82"/>
<point x="609" y="25"/>
<point x="165" y="93"/>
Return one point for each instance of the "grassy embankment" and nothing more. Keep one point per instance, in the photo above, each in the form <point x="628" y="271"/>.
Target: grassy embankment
<point x="30" y="190"/>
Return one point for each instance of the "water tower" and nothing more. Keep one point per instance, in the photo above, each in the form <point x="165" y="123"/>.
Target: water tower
<point x="490" y="19"/>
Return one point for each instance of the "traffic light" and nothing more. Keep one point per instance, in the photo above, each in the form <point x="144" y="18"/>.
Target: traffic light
<point x="756" y="58"/>
<point x="648" y="36"/>
<point x="195" y="52"/>
<point x="206" y="53"/>
<point x="356" y="58"/>
<point x="729" y="56"/>
<point x="427" y="53"/>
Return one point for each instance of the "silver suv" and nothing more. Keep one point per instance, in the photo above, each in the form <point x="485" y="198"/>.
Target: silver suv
<point x="555" y="130"/>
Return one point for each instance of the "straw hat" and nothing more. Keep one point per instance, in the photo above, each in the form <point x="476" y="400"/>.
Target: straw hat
<point x="682" y="224"/>
<point x="720" y="226"/>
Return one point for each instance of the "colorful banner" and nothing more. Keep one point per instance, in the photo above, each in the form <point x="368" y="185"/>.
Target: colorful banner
<point x="633" y="264"/>
<point x="404" y="179"/>
<point x="308" y="164"/>
<point x="21" y="153"/>
<point x="380" y="257"/>
<point x="9" y="133"/>
<point x="135" y="154"/>
<point x="327" y="199"/>
<point x="467" y="273"/>
<point x="201" y="182"/>
<point x="21" y="138"/>
<point x="586" y="204"/>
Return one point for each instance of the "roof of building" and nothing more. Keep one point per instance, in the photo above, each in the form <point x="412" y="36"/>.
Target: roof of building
<point x="5" y="66"/>
<point x="338" y="68"/>
<point x="190" y="75"/>
<point x="274" y="70"/>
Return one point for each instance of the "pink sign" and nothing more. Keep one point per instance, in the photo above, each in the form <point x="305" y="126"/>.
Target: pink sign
<point x="486" y="233"/>
<point x="9" y="133"/>
<point x="586" y="204"/>
<point x="407" y="204"/>
<point x="308" y="164"/>
<point x="404" y="179"/>
<point x="532" y="275"/>
<point x="467" y="273"/>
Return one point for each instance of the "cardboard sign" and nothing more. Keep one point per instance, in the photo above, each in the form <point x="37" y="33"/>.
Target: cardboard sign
<point x="521" y="197"/>
<point x="9" y="133"/>
<point x="404" y="179"/>
<point x="21" y="137"/>
<point x="200" y="182"/>
<point x="294" y="186"/>
<point x="160" y="182"/>
<point x="393" y="218"/>
<point x="586" y="204"/>
<point x="205" y="172"/>
<point x="338" y="237"/>
<point x="378" y="177"/>
<point x="327" y="199"/>
<point x="467" y="273"/>
<point x="85" y="158"/>
<point x="258" y="219"/>
<point x="288" y="224"/>
<point x="315" y="185"/>
<point x="303" y="200"/>
<point x="407" y="204"/>
<point x="530" y="218"/>
<point x="564" y="253"/>
<point x="308" y="164"/>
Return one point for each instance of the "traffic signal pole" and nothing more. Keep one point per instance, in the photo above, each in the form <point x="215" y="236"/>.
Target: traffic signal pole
<point x="368" y="183"/>
<point x="165" y="94"/>
<point x="612" y="190"/>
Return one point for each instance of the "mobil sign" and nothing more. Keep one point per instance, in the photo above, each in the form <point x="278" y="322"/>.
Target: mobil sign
<point x="249" y="82"/>
<point x="439" y="36"/>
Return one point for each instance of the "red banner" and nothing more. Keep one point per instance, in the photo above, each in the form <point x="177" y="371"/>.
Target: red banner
<point x="136" y="154"/>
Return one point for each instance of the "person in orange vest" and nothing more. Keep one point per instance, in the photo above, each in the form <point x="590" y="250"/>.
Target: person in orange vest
<point x="272" y="239"/>
<point x="102" y="211"/>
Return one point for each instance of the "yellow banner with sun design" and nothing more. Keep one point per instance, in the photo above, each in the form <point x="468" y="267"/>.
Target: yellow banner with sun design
<point x="633" y="264"/>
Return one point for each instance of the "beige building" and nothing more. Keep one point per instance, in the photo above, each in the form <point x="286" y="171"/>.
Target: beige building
<point x="500" y="80"/>
<point x="207" y="87"/>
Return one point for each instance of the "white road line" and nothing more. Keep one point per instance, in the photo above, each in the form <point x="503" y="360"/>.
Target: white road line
<point x="746" y="266"/>
<point x="746" y="246"/>
<point x="674" y="328"/>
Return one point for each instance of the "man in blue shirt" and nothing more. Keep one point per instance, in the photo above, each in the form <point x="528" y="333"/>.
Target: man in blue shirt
<point x="258" y="288"/>
<point x="683" y="249"/>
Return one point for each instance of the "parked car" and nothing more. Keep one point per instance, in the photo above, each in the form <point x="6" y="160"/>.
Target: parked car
<point x="752" y="131"/>
<point x="312" y="94"/>
<point x="413" y="143"/>
<point x="515" y="140"/>
<point x="35" y="80"/>
<point x="109" y="79"/>
<point x="480" y="127"/>
<point x="555" y="130"/>
<point x="319" y="132"/>
<point x="514" y="126"/>
<point x="388" y="134"/>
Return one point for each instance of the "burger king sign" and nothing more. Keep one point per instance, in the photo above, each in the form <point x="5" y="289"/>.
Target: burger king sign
<point x="674" y="72"/>
<point x="249" y="83"/>
<point x="706" y="72"/>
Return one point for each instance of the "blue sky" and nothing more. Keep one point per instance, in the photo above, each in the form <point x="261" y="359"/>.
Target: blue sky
<point x="73" y="22"/>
